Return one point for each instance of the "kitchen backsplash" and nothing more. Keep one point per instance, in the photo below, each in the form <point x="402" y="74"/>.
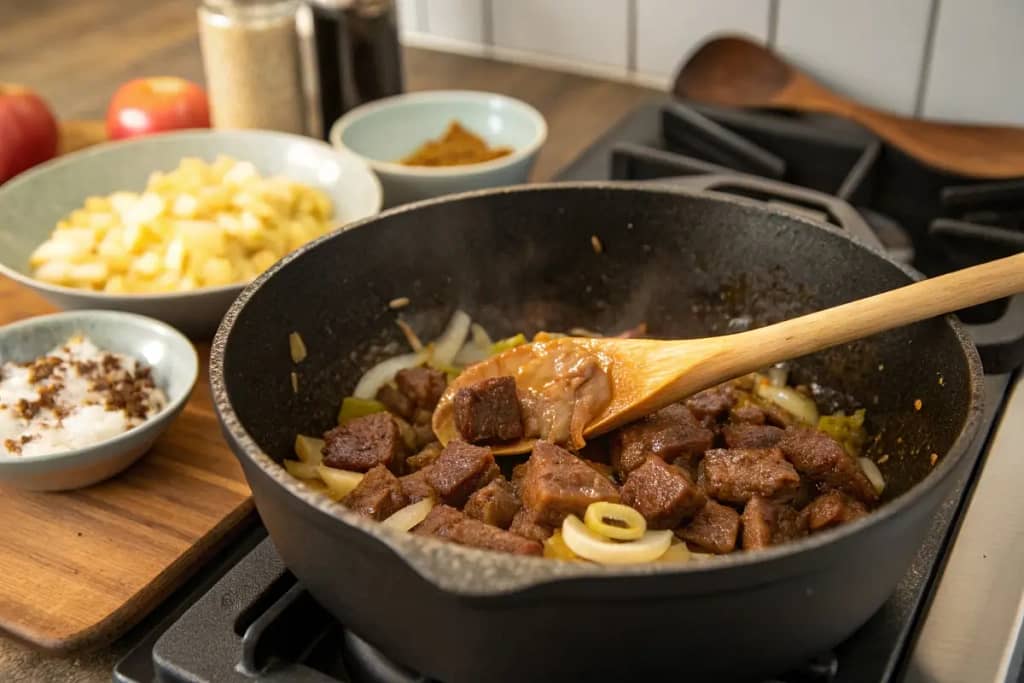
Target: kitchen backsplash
<point x="940" y="59"/>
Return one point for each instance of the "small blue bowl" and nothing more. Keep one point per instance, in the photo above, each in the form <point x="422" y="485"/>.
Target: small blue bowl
<point x="166" y="351"/>
<point x="384" y="131"/>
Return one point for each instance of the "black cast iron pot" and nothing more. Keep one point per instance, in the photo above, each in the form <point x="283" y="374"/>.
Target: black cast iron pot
<point x="689" y="264"/>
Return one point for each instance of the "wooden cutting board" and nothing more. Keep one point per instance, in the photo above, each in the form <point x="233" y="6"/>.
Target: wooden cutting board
<point x="79" y="568"/>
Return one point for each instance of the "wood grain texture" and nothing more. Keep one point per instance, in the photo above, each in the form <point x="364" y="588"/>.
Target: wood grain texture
<point x="78" y="80"/>
<point x="79" y="568"/>
<point x="740" y="73"/>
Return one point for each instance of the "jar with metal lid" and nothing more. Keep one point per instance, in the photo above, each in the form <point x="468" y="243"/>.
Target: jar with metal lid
<point x="252" y="63"/>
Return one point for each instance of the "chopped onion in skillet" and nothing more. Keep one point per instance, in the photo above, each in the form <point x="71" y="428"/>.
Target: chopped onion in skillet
<point x="597" y="548"/>
<point x="409" y="516"/>
<point x="873" y="474"/>
<point x="789" y="399"/>
<point x="382" y="373"/>
<point x="751" y="454"/>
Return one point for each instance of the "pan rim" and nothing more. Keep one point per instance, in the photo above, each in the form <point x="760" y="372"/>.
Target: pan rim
<point x="471" y="572"/>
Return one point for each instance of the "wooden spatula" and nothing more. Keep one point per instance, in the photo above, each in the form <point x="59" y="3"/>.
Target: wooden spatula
<point x="737" y="72"/>
<point x="649" y="374"/>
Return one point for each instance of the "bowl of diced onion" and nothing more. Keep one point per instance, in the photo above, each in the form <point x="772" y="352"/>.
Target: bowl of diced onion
<point x="173" y="226"/>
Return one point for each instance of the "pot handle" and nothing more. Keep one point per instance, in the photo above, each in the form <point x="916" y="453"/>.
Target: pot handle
<point x="797" y="199"/>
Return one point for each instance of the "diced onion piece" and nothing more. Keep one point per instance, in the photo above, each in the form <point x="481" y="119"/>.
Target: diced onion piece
<point x="382" y="373"/>
<point x="297" y="347"/>
<point x="792" y="401"/>
<point x="778" y="375"/>
<point x="873" y="474"/>
<point x="556" y="549"/>
<point x="507" y="343"/>
<point x="633" y="523"/>
<point x="340" y="482"/>
<point x="590" y="546"/>
<point x="451" y="340"/>
<point x="677" y="552"/>
<point x="410" y="336"/>
<point x="309" y="449"/>
<point x="301" y="470"/>
<point x="352" y="407"/>
<point x="478" y="347"/>
<point x="409" y="516"/>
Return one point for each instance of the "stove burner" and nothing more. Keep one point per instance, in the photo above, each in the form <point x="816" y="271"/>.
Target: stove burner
<point x="930" y="220"/>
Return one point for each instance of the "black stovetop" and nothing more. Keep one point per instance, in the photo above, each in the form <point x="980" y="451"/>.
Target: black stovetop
<point x="256" y="623"/>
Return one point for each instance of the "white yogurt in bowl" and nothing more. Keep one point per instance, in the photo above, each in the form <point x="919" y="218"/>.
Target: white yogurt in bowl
<point x="75" y="396"/>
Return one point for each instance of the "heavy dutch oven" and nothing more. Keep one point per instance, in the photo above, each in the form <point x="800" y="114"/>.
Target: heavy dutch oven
<point x="689" y="263"/>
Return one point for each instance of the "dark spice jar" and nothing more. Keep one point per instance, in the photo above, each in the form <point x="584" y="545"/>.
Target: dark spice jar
<point x="358" y="54"/>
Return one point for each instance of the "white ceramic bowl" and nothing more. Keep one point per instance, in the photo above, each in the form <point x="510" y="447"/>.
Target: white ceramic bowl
<point x="33" y="202"/>
<point x="175" y="368"/>
<point x="384" y="131"/>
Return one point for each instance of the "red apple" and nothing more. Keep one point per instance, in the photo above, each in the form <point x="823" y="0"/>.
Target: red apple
<point x="151" y="105"/>
<point x="28" y="131"/>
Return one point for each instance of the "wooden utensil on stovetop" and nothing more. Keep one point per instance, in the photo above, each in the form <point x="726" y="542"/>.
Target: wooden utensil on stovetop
<point x="736" y="72"/>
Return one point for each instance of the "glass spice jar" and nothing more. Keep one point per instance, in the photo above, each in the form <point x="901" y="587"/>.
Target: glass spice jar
<point x="252" y="63"/>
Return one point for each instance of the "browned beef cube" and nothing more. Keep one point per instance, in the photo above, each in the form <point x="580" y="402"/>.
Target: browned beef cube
<point x="747" y="414"/>
<point x="494" y="504"/>
<point x="558" y="484"/>
<point x="744" y="435"/>
<point x="396" y="402"/>
<point x="461" y="469"/>
<point x="450" y="524"/>
<point x="426" y="456"/>
<point x="712" y="403"/>
<point x="734" y="475"/>
<point x="820" y="457"/>
<point x="525" y="524"/>
<point x="518" y="476"/>
<point x="605" y="470"/>
<point x="662" y="493"/>
<point x="832" y="509"/>
<point x="364" y="443"/>
<point x="767" y="523"/>
<point x="378" y="495"/>
<point x="713" y="529"/>
<point x="489" y="411"/>
<point x="423" y="385"/>
<point x="672" y="432"/>
<point x="415" y="485"/>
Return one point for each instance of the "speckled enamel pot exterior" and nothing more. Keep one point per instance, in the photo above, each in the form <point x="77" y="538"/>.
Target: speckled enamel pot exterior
<point x="460" y="614"/>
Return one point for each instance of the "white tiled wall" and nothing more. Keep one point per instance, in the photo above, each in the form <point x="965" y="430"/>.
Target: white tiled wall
<point x="872" y="50"/>
<point x="668" y="31"/>
<point x="958" y="59"/>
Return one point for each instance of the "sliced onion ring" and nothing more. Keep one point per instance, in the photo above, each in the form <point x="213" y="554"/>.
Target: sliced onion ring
<point x="590" y="546"/>
<point x="409" y="516"/>
<point x="383" y="372"/>
<point x="340" y="483"/>
<point x="448" y="344"/>
<point x="873" y="474"/>
<point x="792" y="401"/>
<point x="597" y="513"/>
<point x="677" y="552"/>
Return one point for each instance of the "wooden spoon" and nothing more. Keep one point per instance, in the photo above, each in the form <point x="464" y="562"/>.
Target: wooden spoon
<point x="649" y="374"/>
<point x="737" y="72"/>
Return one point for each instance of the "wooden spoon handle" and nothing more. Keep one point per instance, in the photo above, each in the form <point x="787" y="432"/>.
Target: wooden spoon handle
<point x="881" y="312"/>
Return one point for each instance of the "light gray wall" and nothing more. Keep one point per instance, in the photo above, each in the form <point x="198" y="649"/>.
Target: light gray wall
<point x="940" y="59"/>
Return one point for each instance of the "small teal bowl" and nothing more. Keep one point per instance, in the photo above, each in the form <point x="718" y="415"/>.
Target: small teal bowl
<point x="386" y="130"/>
<point x="166" y="351"/>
